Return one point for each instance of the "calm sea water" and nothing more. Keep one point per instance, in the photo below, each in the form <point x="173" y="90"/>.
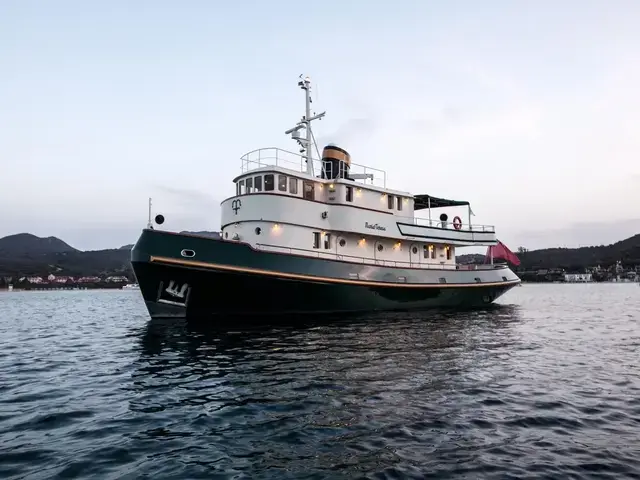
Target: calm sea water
<point x="546" y="384"/>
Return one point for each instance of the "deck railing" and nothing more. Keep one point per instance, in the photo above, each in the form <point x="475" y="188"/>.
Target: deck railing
<point x="278" y="157"/>
<point x="374" y="261"/>
<point x="448" y="225"/>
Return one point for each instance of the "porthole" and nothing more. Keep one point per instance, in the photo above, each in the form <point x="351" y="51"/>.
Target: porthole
<point x="380" y="247"/>
<point x="342" y="242"/>
<point x="414" y="250"/>
<point x="258" y="230"/>
<point x="188" y="253"/>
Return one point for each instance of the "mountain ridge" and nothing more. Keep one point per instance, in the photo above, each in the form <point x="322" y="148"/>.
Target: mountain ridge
<point x="25" y="254"/>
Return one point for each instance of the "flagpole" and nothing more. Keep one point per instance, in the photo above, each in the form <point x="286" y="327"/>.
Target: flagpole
<point x="469" y="213"/>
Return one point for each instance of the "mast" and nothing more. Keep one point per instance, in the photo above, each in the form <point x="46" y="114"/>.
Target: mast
<point x="307" y="142"/>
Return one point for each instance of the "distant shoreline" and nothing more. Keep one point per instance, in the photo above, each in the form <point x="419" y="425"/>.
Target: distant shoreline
<point x="72" y="287"/>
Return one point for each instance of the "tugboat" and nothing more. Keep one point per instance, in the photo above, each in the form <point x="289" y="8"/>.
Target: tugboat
<point x="306" y="235"/>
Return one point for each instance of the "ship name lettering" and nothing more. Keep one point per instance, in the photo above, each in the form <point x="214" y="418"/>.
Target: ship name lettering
<point x="374" y="226"/>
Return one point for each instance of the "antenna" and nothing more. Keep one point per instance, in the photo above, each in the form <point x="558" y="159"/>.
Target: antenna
<point x="307" y="142"/>
<point x="149" y="225"/>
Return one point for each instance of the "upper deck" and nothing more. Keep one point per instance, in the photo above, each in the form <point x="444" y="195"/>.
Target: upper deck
<point x="278" y="157"/>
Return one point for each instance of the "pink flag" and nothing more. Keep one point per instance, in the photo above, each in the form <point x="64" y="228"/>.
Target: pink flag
<point x="501" y="251"/>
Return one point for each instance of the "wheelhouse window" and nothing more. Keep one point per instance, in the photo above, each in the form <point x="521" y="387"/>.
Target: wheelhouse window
<point x="282" y="183"/>
<point x="316" y="239"/>
<point x="399" y="203"/>
<point x="309" y="190"/>
<point x="390" y="201"/>
<point x="268" y="183"/>
<point x="327" y="241"/>
<point x="257" y="184"/>
<point x="349" y="194"/>
<point x="240" y="188"/>
<point x="249" y="184"/>
<point x="293" y="185"/>
<point x="448" y="250"/>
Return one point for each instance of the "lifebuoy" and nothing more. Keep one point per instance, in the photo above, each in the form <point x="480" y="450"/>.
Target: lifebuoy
<point x="457" y="223"/>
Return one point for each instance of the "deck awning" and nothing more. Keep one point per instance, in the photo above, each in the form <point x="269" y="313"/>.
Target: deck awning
<point x="427" y="201"/>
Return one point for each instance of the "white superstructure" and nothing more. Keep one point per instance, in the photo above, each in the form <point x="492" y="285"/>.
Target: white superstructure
<point x="331" y="208"/>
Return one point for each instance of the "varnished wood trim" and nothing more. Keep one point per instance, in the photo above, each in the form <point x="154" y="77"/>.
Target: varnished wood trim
<point x="275" y="193"/>
<point x="313" y="278"/>
<point x="336" y="153"/>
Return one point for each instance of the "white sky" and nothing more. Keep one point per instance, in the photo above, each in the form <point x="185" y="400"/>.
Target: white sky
<point x="529" y="111"/>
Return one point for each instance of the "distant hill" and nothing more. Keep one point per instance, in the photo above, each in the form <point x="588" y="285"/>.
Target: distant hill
<point x="573" y="259"/>
<point x="626" y="251"/>
<point x="470" y="258"/>
<point x="28" y="244"/>
<point x="25" y="254"/>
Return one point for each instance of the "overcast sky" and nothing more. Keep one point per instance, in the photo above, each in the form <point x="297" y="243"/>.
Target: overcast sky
<point x="530" y="110"/>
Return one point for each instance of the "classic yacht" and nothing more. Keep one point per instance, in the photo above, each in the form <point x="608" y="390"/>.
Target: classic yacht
<point x="308" y="235"/>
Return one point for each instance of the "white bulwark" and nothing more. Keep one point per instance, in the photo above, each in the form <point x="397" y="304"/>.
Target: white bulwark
<point x="332" y="208"/>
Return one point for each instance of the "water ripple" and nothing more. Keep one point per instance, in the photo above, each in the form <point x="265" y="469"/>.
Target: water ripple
<point x="544" y="385"/>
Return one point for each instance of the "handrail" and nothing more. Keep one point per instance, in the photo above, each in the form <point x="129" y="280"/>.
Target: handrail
<point x="274" y="156"/>
<point x="374" y="261"/>
<point x="464" y="227"/>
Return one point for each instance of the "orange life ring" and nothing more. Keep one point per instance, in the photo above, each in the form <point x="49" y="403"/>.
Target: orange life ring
<point x="457" y="223"/>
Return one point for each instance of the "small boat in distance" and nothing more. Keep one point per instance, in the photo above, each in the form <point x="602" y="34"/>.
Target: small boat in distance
<point x="131" y="286"/>
<point x="309" y="235"/>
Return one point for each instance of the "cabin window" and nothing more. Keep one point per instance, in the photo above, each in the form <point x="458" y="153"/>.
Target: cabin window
<point x="240" y="188"/>
<point x="257" y="184"/>
<point x="282" y="183"/>
<point x="349" y="194"/>
<point x="390" y="201"/>
<point x="399" y="201"/>
<point x="316" y="239"/>
<point x="342" y="242"/>
<point x="309" y="192"/>
<point x="268" y="183"/>
<point x="249" y="185"/>
<point x="432" y="252"/>
<point x="327" y="241"/>
<point x="448" y="250"/>
<point x="293" y="185"/>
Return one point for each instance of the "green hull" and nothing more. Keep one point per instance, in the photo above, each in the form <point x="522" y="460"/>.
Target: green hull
<point x="231" y="278"/>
